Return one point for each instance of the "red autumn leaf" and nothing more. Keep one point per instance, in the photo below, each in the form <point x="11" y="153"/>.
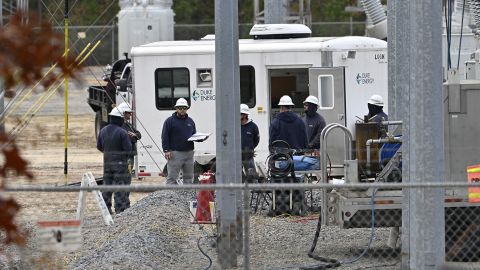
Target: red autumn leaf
<point x="14" y="162"/>
<point x="9" y="209"/>
<point x="26" y="49"/>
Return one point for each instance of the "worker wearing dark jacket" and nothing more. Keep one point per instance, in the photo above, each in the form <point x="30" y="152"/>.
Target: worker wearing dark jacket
<point x="375" y="109"/>
<point x="250" y="139"/>
<point x="177" y="129"/>
<point x="376" y="114"/>
<point x="115" y="144"/>
<point x="314" y="123"/>
<point x="133" y="133"/>
<point x="288" y="127"/>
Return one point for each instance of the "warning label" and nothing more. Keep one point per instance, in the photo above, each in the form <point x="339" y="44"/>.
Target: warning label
<point x="62" y="235"/>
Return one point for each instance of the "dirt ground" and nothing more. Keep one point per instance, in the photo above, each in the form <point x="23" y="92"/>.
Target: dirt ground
<point x="42" y="145"/>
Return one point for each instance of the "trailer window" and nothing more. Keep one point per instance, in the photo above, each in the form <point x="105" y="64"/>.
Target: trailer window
<point x="325" y="90"/>
<point x="247" y="85"/>
<point x="170" y="85"/>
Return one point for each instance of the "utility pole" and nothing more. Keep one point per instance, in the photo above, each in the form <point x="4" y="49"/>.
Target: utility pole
<point x="416" y="97"/>
<point x="278" y="11"/>
<point x="227" y="101"/>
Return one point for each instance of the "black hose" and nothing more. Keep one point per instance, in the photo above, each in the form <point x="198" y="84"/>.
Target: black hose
<point x="331" y="263"/>
<point x="326" y="262"/>
<point x="204" y="254"/>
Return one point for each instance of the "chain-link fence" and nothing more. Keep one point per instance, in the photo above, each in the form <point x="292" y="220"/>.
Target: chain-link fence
<point x="107" y="51"/>
<point x="175" y="227"/>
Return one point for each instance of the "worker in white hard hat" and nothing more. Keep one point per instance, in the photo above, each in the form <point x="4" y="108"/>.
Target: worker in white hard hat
<point x="133" y="133"/>
<point x="288" y="126"/>
<point x="314" y="123"/>
<point x="250" y="137"/>
<point x="178" y="151"/>
<point x="114" y="143"/>
<point x="375" y="109"/>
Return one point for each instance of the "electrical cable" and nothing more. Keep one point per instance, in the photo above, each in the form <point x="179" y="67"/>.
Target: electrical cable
<point x="450" y="13"/>
<point x="46" y="96"/>
<point x="372" y="234"/>
<point x="331" y="263"/>
<point x="198" y="241"/>
<point x="25" y="123"/>
<point x="101" y="35"/>
<point x="204" y="254"/>
<point x="96" y="60"/>
<point x="447" y="28"/>
<point x="461" y="35"/>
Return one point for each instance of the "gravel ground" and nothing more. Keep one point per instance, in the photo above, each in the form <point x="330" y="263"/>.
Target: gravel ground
<point x="155" y="233"/>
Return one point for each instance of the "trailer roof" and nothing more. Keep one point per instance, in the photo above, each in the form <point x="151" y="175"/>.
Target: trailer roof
<point x="265" y="45"/>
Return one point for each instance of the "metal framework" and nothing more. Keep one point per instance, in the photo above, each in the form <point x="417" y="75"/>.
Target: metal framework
<point x="301" y="15"/>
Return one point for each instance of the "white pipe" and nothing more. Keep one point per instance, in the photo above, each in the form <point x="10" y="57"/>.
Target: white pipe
<point x="392" y="123"/>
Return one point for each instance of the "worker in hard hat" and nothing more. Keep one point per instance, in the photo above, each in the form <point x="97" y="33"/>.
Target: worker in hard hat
<point x="314" y="123"/>
<point x="288" y="126"/>
<point x="250" y="138"/>
<point x="375" y="109"/>
<point x="177" y="149"/>
<point x="113" y="141"/>
<point x="133" y="133"/>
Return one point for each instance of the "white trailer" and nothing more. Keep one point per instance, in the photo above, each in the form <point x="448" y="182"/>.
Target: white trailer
<point x="343" y="72"/>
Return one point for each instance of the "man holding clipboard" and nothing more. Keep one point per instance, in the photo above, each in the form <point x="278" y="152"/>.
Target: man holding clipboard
<point x="178" y="149"/>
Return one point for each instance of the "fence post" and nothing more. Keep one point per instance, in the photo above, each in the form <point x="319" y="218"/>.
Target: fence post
<point x="246" y="228"/>
<point x="227" y="102"/>
<point x="417" y="97"/>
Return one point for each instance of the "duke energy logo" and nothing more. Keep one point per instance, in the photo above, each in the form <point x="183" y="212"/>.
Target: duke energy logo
<point x="203" y="95"/>
<point x="195" y="95"/>
<point x="364" y="78"/>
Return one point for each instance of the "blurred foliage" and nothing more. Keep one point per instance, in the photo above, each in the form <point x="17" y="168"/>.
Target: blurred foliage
<point x="25" y="49"/>
<point x="85" y="12"/>
<point x="82" y="12"/>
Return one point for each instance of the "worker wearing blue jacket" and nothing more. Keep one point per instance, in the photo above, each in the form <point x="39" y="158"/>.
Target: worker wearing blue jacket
<point x="250" y="139"/>
<point x="288" y="126"/>
<point x="178" y="151"/>
<point x="314" y="123"/>
<point x="113" y="141"/>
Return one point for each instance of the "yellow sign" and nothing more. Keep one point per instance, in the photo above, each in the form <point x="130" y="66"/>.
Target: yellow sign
<point x="473" y="174"/>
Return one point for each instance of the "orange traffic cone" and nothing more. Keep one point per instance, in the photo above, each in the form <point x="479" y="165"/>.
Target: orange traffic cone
<point x="204" y="197"/>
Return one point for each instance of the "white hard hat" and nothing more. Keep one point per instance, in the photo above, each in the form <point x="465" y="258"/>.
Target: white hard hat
<point x="116" y="112"/>
<point x="285" y="101"/>
<point x="181" y="102"/>
<point x="125" y="107"/>
<point x="376" y="100"/>
<point x="311" y="99"/>
<point x="244" y="109"/>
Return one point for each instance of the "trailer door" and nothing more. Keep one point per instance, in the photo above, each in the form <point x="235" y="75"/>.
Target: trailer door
<point x="328" y="85"/>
